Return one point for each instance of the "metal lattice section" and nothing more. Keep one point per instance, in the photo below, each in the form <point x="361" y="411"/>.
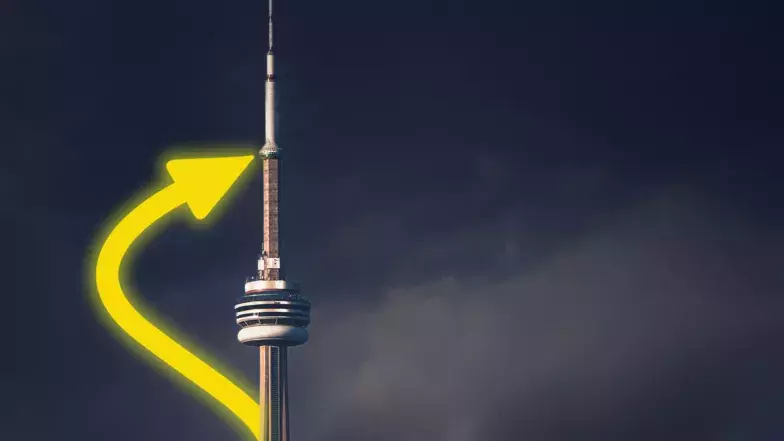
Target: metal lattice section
<point x="270" y="179"/>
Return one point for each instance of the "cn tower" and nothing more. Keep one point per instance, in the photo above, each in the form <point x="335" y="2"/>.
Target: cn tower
<point x="272" y="315"/>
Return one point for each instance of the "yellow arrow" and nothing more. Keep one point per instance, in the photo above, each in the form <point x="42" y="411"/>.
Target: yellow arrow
<point x="200" y="183"/>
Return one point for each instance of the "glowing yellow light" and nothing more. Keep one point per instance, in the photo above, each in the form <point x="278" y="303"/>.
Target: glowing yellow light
<point x="200" y="183"/>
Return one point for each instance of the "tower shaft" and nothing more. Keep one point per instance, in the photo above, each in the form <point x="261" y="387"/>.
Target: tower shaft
<point x="273" y="393"/>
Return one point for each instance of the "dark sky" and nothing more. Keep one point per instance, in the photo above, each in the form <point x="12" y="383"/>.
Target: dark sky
<point x="541" y="221"/>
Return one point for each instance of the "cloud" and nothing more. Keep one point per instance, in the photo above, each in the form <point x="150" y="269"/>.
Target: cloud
<point x="632" y="331"/>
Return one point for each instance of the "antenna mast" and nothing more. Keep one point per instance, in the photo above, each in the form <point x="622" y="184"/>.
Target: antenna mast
<point x="270" y="26"/>
<point x="269" y="263"/>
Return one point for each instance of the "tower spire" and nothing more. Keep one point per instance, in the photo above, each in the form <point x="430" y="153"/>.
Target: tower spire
<point x="269" y="264"/>
<point x="270" y="26"/>
<point x="270" y="147"/>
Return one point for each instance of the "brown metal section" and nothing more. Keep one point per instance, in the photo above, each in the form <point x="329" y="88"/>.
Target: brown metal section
<point x="270" y="182"/>
<point x="273" y="393"/>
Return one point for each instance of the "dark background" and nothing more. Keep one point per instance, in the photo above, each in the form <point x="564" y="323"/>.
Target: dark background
<point x="540" y="220"/>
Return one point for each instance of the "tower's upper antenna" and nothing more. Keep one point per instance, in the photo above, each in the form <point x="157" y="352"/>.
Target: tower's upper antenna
<point x="270" y="26"/>
<point x="270" y="147"/>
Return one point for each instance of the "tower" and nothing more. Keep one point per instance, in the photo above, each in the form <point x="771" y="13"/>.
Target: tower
<point x="272" y="315"/>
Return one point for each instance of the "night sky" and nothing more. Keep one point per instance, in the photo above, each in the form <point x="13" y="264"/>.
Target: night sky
<point x="539" y="221"/>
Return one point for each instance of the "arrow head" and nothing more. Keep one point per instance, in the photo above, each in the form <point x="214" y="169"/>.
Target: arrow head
<point x="204" y="181"/>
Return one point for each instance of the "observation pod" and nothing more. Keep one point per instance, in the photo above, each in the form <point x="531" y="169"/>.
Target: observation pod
<point x="272" y="313"/>
<point x="273" y="316"/>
